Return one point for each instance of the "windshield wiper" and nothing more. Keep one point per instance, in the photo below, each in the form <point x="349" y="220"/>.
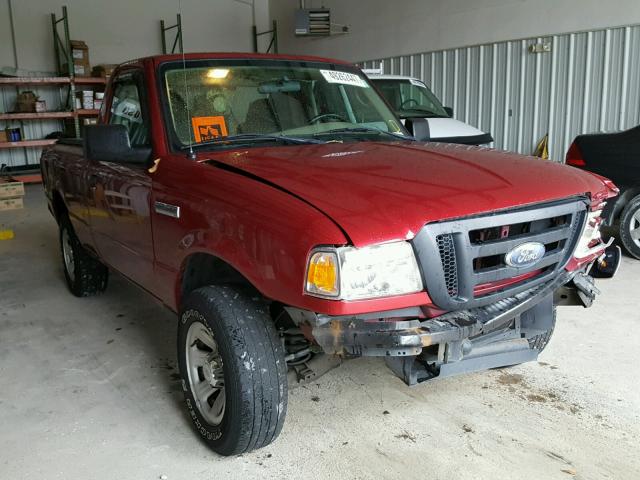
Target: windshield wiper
<point x="253" y="138"/>
<point x="364" y="130"/>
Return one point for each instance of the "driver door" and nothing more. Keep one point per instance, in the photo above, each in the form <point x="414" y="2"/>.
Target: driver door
<point x="121" y="192"/>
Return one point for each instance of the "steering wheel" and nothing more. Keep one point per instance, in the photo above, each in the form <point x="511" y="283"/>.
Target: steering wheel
<point x="317" y="118"/>
<point x="408" y="102"/>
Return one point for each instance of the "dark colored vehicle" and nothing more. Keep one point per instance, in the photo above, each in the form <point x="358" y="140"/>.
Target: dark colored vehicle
<point x="279" y="207"/>
<point x="615" y="156"/>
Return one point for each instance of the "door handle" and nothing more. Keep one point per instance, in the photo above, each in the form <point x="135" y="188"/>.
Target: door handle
<point x="167" y="209"/>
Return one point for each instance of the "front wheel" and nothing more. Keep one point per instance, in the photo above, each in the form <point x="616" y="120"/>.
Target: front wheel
<point x="233" y="370"/>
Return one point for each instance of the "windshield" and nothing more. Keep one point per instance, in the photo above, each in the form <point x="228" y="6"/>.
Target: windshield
<point x="410" y="98"/>
<point x="260" y="100"/>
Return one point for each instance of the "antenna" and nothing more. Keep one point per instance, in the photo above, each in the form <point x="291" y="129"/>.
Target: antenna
<point x="191" y="155"/>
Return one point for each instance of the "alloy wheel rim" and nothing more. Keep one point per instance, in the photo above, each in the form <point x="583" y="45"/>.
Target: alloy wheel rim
<point x="634" y="228"/>
<point x="67" y="254"/>
<point x="205" y="373"/>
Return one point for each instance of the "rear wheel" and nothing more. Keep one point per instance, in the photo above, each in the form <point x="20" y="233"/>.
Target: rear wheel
<point x="233" y="370"/>
<point x="85" y="275"/>
<point x="630" y="227"/>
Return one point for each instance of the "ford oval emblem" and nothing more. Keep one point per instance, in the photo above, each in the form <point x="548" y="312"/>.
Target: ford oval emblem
<point x="525" y="255"/>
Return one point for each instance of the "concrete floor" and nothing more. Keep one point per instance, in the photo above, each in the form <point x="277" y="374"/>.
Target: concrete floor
<point x="90" y="390"/>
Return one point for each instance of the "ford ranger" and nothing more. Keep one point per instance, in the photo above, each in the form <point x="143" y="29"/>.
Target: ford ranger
<point x="278" y="205"/>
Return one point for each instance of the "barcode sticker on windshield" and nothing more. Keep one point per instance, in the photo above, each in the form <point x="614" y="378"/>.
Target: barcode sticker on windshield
<point x="129" y="109"/>
<point x="344" y="78"/>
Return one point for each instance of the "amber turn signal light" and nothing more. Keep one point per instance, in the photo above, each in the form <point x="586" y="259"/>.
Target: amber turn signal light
<point x="322" y="274"/>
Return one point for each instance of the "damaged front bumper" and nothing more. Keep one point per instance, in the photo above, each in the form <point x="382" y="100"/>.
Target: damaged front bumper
<point x="462" y="341"/>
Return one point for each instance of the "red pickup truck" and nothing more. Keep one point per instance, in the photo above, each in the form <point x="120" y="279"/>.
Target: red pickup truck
<point x="278" y="205"/>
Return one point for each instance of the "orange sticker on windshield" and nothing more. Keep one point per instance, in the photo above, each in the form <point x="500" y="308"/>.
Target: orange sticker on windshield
<point x="208" y="128"/>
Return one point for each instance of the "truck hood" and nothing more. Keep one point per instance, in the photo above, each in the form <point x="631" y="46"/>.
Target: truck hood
<point x="449" y="127"/>
<point x="450" y="130"/>
<point x="378" y="192"/>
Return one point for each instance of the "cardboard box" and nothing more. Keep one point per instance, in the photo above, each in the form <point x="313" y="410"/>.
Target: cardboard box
<point x="79" y="51"/>
<point x="81" y="70"/>
<point x="4" y="136"/>
<point x="26" y="102"/>
<point x="11" y="203"/>
<point x="80" y="55"/>
<point x="11" y="189"/>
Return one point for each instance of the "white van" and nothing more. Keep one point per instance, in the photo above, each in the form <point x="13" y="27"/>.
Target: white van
<point x="411" y="99"/>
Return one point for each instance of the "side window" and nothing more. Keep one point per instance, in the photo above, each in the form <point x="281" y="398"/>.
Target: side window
<point x="126" y="108"/>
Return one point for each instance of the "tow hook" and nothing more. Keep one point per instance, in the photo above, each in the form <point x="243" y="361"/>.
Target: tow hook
<point x="585" y="288"/>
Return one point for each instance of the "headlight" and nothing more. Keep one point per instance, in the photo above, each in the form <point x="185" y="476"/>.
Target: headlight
<point x="350" y="273"/>
<point x="590" y="241"/>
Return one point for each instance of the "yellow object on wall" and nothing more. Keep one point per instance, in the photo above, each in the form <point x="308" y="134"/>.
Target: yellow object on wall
<point x="542" y="149"/>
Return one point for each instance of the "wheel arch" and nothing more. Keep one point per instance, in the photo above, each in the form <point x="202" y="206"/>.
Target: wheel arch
<point x="615" y="212"/>
<point x="200" y="269"/>
<point x="60" y="209"/>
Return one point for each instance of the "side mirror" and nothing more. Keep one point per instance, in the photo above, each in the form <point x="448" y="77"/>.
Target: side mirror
<point x="449" y="111"/>
<point x="110" y="143"/>
<point x="419" y="128"/>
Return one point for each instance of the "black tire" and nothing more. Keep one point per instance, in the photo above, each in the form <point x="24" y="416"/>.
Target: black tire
<point x="631" y="210"/>
<point x="253" y="366"/>
<point x="540" y="342"/>
<point x="85" y="275"/>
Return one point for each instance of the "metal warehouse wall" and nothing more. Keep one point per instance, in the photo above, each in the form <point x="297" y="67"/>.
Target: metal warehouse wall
<point x="589" y="82"/>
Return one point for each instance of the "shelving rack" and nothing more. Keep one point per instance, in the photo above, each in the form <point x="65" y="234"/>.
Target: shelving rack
<point x="28" y="143"/>
<point x="177" y="41"/>
<point x="67" y="109"/>
<point x="64" y="55"/>
<point x="273" y="43"/>
<point x="59" y="82"/>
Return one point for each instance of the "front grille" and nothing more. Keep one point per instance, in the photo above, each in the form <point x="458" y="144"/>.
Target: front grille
<point x="463" y="260"/>
<point x="560" y="225"/>
<point x="446" y="249"/>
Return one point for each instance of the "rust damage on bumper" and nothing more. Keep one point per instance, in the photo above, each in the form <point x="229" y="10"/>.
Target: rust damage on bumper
<point x="419" y="349"/>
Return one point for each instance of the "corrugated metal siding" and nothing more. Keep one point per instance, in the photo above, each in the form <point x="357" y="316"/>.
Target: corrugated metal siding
<point x="589" y="82"/>
<point x="55" y="97"/>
